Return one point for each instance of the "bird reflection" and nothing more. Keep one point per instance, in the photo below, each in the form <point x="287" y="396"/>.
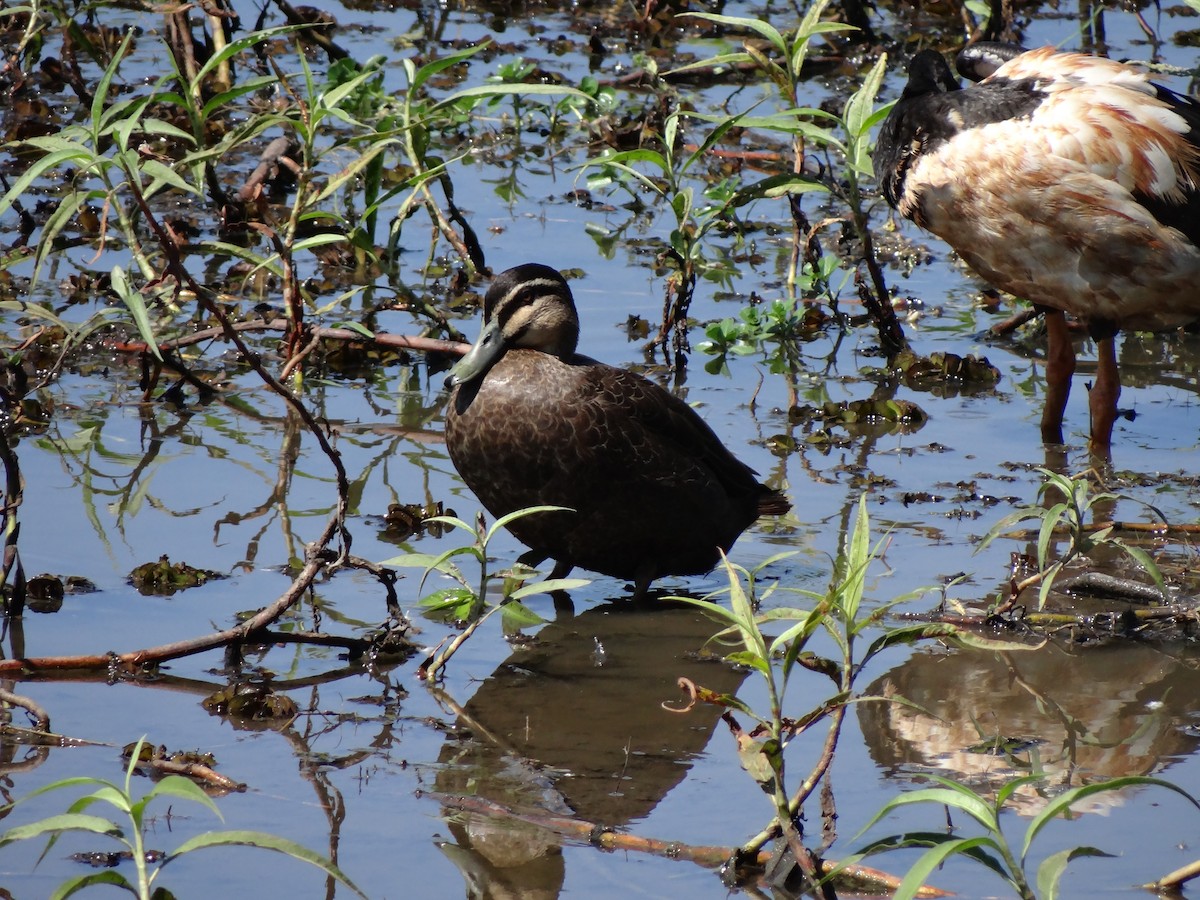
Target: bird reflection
<point x="562" y="728"/>
<point x="1078" y="714"/>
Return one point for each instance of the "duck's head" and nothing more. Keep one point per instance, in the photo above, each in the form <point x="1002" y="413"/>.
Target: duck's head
<point x="528" y="306"/>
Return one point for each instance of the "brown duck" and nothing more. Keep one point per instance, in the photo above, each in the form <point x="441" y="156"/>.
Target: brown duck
<point x="652" y="489"/>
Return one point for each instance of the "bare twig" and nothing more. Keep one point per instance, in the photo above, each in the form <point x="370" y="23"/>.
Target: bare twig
<point x="40" y="717"/>
<point x="707" y="856"/>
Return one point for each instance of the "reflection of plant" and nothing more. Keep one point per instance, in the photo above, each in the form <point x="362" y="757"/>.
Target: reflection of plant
<point x="75" y="819"/>
<point x="1071" y="513"/>
<point x="469" y="604"/>
<point x="993" y="849"/>
<point x="837" y="613"/>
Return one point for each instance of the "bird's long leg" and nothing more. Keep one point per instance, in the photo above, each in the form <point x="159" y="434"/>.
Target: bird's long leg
<point x="1060" y="366"/>
<point x="1104" y="394"/>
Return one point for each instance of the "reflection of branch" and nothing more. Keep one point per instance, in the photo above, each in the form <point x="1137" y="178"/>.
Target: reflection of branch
<point x="41" y="718"/>
<point x="14" y="490"/>
<point x="607" y="839"/>
<point x="382" y="339"/>
<point x="136" y="659"/>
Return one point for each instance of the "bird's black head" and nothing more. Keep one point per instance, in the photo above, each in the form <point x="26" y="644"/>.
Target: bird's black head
<point x="928" y="73"/>
<point x="528" y="306"/>
<point x="905" y="131"/>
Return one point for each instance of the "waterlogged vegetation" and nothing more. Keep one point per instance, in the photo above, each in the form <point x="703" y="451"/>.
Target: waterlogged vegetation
<point x="241" y="246"/>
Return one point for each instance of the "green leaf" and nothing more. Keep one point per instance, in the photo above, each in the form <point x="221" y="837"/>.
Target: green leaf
<point x="233" y="48"/>
<point x="184" y="789"/>
<point x="517" y="615"/>
<point x="502" y="90"/>
<point x="861" y="104"/>
<point x="933" y="859"/>
<point x="765" y="29"/>
<point x="100" y="99"/>
<point x="795" y="637"/>
<point x="1064" y="801"/>
<point x="549" y="586"/>
<point x="262" y="841"/>
<point x="1052" y="868"/>
<point x="60" y="823"/>
<point x="749" y="659"/>
<point x="1046" y="533"/>
<point x="136" y="305"/>
<point x="777" y="186"/>
<point x="77" y="883"/>
<point x="418" y="77"/>
<point x="1146" y="561"/>
<point x="109" y="794"/>
<point x="36" y="170"/>
<point x="520" y="514"/>
<point x="859" y="113"/>
<point x="161" y="174"/>
<point x="952" y="795"/>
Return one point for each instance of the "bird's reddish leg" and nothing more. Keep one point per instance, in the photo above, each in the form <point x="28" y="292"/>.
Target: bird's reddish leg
<point x="1102" y="400"/>
<point x="1060" y="366"/>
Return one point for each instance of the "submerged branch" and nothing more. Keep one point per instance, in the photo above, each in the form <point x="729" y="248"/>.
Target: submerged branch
<point x="381" y="339"/>
<point x="245" y="632"/>
<point x="862" y="877"/>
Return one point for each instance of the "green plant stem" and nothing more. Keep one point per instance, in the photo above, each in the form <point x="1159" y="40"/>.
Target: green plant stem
<point x="433" y="670"/>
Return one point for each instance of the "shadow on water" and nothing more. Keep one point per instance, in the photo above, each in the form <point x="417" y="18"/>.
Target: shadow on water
<point x="574" y="724"/>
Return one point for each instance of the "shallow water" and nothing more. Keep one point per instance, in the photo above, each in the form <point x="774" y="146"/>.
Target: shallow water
<point x="573" y="725"/>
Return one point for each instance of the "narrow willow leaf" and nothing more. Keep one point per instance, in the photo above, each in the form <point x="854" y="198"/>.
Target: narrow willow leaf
<point x="418" y="77"/>
<point x="60" y="823"/>
<point x="549" y="586"/>
<point x="262" y="841"/>
<point x="520" y="514"/>
<point x="504" y="90"/>
<point x="74" y="885"/>
<point x="1051" y="870"/>
<point x="750" y="660"/>
<point x="1146" y="561"/>
<point x="184" y="789"/>
<point x="953" y="795"/>
<point x="1064" y="801"/>
<point x="233" y="48"/>
<point x="762" y="28"/>
<point x="517" y="615"/>
<point x="136" y="304"/>
<point x="931" y="860"/>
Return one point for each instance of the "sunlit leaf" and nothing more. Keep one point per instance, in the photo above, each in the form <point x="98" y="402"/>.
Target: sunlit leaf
<point x="60" y="823"/>
<point x="1051" y="870"/>
<point x="262" y="841"/>
<point x="1063" y="802"/>
<point x="77" y="883"/>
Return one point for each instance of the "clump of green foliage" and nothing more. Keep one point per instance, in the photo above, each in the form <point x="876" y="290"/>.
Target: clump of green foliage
<point x="128" y="830"/>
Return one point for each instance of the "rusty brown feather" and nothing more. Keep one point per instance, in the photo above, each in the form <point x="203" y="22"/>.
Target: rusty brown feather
<point x="530" y="422"/>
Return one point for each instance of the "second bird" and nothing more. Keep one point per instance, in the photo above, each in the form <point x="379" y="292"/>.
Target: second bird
<point x="531" y="422"/>
<point x="1067" y="180"/>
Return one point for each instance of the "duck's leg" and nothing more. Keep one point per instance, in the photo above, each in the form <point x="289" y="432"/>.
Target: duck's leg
<point x="1060" y="366"/>
<point x="641" y="583"/>
<point x="1104" y="394"/>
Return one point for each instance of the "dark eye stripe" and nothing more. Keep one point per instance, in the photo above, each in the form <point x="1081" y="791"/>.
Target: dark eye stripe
<point x="526" y="294"/>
